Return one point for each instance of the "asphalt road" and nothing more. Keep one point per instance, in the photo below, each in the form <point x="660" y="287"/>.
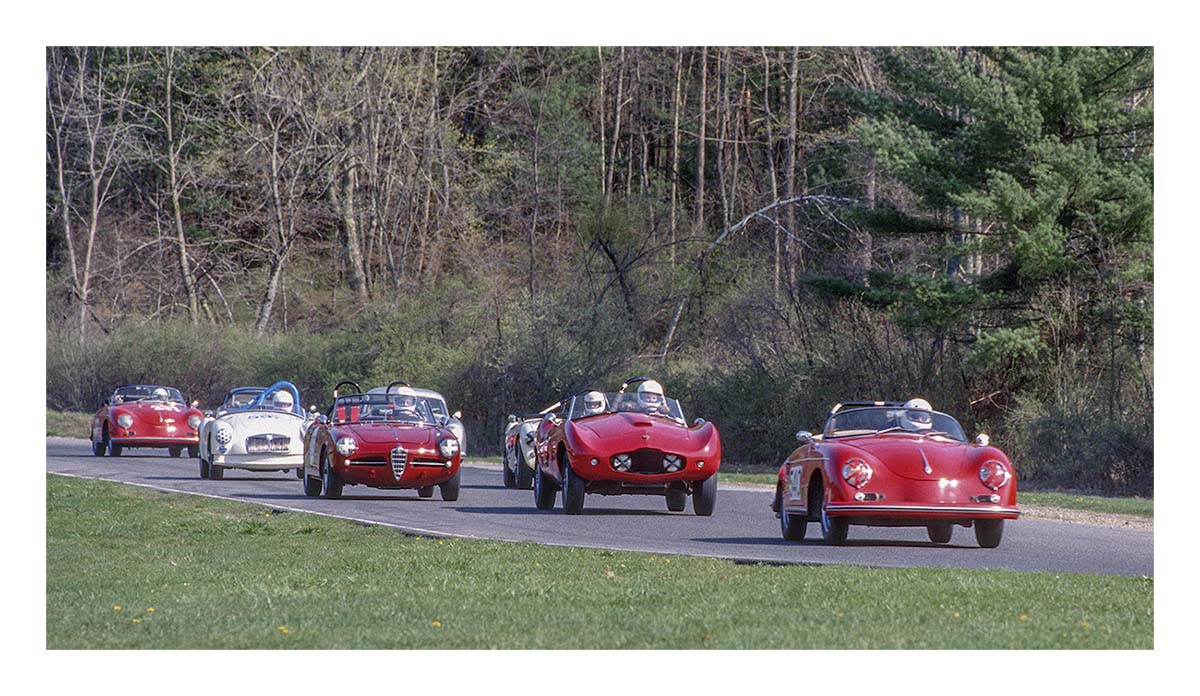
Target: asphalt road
<point x="742" y="528"/>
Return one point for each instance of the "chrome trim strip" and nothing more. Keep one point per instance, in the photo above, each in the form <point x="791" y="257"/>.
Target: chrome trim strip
<point x="836" y="507"/>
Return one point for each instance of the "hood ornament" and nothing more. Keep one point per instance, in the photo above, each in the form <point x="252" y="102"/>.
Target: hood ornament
<point x="928" y="469"/>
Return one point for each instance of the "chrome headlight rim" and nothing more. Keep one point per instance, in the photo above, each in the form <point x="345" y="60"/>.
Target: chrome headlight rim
<point x="194" y="421"/>
<point x="346" y="445"/>
<point x="449" y="447"/>
<point x="994" y="474"/>
<point x="124" y="420"/>
<point x="857" y="472"/>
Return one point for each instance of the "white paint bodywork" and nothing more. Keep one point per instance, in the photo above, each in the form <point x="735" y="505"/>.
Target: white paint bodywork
<point x="246" y="424"/>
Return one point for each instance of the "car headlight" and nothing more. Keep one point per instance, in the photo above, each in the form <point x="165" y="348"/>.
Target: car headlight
<point x="449" y="447"/>
<point x="672" y="462"/>
<point x="994" y="474"/>
<point x="856" y="472"/>
<point x="347" y="446"/>
<point x="622" y="462"/>
<point x="124" y="420"/>
<point x="223" y="434"/>
<point x="194" y="421"/>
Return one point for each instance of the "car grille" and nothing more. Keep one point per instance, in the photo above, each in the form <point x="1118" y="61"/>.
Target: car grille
<point x="399" y="462"/>
<point x="647" y="461"/>
<point x="268" y="444"/>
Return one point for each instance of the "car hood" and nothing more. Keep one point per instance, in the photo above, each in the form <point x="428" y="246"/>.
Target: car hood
<point x="251" y="422"/>
<point x="386" y="433"/>
<point x="620" y="432"/>
<point x="155" y="412"/>
<point x="920" y="459"/>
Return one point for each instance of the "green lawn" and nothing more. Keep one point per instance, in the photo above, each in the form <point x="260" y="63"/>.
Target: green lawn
<point x="68" y="424"/>
<point x="133" y="568"/>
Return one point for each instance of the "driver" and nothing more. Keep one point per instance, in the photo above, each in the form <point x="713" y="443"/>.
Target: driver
<point x="917" y="415"/>
<point x="282" y="400"/>
<point x="594" y="403"/>
<point x="405" y="404"/>
<point x="650" y="398"/>
<point x="160" y="394"/>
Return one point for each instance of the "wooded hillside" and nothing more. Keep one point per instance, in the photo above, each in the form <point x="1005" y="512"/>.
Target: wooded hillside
<point x="768" y="231"/>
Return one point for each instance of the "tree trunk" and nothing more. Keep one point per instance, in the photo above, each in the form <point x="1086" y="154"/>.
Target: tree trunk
<point x="698" y="223"/>
<point x="176" y="188"/>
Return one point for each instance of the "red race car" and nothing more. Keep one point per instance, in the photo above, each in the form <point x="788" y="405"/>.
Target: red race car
<point x="388" y="439"/>
<point x="146" y="415"/>
<point x="891" y="464"/>
<point x="617" y="443"/>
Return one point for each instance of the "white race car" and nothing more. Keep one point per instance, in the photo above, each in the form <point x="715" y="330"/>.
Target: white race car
<point x="256" y="429"/>
<point x="437" y="404"/>
<point x="518" y="447"/>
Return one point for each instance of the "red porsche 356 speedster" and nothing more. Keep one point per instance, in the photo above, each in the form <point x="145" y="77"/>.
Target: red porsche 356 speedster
<point x="891" y="464"/>
<point x="146" y="415"/>
<point x="382" y="439"/>
<point x="621" y="443"/>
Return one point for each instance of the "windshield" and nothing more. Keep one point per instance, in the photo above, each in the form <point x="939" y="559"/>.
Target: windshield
<point x="582" y="406"/>
<point x="382" y="408"/>
<point x="240" y="398"/>
<point x="870" y="421"/>
<point x="144" y="392"/>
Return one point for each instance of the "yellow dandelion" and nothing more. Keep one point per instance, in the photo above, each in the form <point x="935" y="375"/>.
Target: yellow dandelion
<point x="1085" y="625"/>
<point x="137" y="620"/>
<point x="439" y="542"/>
<point x="150" y="610"/>
<point x="956" y="614"/>
<point x="116" y="607"/>
<point x="436" y="624"/>
<point x="284" y="630"/>
<point x="1023" y="617"/>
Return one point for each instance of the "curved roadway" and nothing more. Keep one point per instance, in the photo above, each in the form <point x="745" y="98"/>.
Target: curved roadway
<point x="743" y="527"/>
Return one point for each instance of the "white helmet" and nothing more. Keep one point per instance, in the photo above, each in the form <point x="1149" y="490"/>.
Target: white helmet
<point x="594" y="402"/>
<point x="283" y="400"/>
<point x="650" y="396"/>
<point x="917" y="415"/>
<point x="160" y="394"/>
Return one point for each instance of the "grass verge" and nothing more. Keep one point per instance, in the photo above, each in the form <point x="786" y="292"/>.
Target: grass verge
<point x="68" y="424"/>
<point x="134" y="568"/>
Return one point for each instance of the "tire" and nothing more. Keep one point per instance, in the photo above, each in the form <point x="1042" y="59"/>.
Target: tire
<point x="193" y="451"/>
<point x="300" y="472"/>
<point x="450" y="488"/>
<point x="704" y="496"/>
<point x="792" y="527"/>
<point x="574" y="491"/>
<point x="114" y="450"/>
<point x="510" y="476"/>
<point x="204" y="470"/>
<point x="676" y="500"/>
<point x="543" y="490"/>
<point x="425" y="491"/>
<point x="940" y="532"/>
<point x="216" y="472"/>
<point x="522" y="473"/>
<point x="331" y="485"/>
<point x="833" y="530"/>
<point x="989" y="532"/>
<point x="175" y="452"/>
<point x="312" y="485"/>
<point x="98" y="448"/>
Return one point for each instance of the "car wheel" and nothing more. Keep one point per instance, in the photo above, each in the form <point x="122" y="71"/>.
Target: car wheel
<point x="940" y="532"/>
<point x="98" y="448"/>
<point x="510" y="477"/>
<point x="330" y="483"/>
<point x="425" y="491"/>
<point x="204" y="473"/>
<point x="988" y="532"/>
<point x="193" y="451"/>
<point x="312" y="484"/>
<point x="175" y="452"/>
<point x="704" y="496"/>
<point x="792" y="527"/>
<point x="574" y="490"/>
<point x="450" y="488"/>
<point x="114" y="450"/>
<point x="833" y="529"/>
<point x="543" y="491"/>
<point x="216" y="472"/>
<point x="522" y="473"/>
<point x="676" y="500"/>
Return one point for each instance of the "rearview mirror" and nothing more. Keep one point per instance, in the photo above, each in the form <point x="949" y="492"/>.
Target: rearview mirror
<point x="804" y="437"/>
<point x="457" y="415"/>
<point x="982" y="440"/>
<point x="698" y="422"/>
<point x="512" y="418"/>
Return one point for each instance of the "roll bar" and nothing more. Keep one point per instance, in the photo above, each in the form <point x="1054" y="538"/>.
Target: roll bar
<point x="631" y="380"/>
<point x="357" y="389"/>
<point x="399" y="382"/>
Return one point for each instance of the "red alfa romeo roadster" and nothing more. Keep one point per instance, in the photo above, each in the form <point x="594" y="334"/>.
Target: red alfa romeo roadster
<point x="146" y="415"/>
<point x="383" y="439"/>
<point x="620" y="443"/>
<point x="890" y="464"/>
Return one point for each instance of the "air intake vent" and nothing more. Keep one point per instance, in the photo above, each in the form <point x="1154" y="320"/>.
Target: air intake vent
<point x="268" y="444"/>
<point x="399" y="462"/>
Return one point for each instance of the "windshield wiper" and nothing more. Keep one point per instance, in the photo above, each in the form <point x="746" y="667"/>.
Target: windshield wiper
<point x="889" y="430"/>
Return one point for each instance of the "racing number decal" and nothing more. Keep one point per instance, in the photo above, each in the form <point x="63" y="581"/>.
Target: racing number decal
<point x="795" y="479"/>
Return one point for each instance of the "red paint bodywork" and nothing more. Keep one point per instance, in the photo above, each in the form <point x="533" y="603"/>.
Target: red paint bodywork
<point x="912" y="494"/>
<point x="604" y="436"/>
<point x="370" y="464"/>
<point x="155" y="424"/>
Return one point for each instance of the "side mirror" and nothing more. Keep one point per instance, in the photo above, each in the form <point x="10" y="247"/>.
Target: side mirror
<point x="804" y="437"/>
<point x="312" y="408"/>
<point x="457" y="415"/>
<point x="195" y="404"/>
<point x="982" y="440"/>
<point x="442" y="420"/>
<point x="321" y="418"/>
<point x="698" y="422"/>
<point x="208" y="414"/>
<point x="512" y="418"/>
